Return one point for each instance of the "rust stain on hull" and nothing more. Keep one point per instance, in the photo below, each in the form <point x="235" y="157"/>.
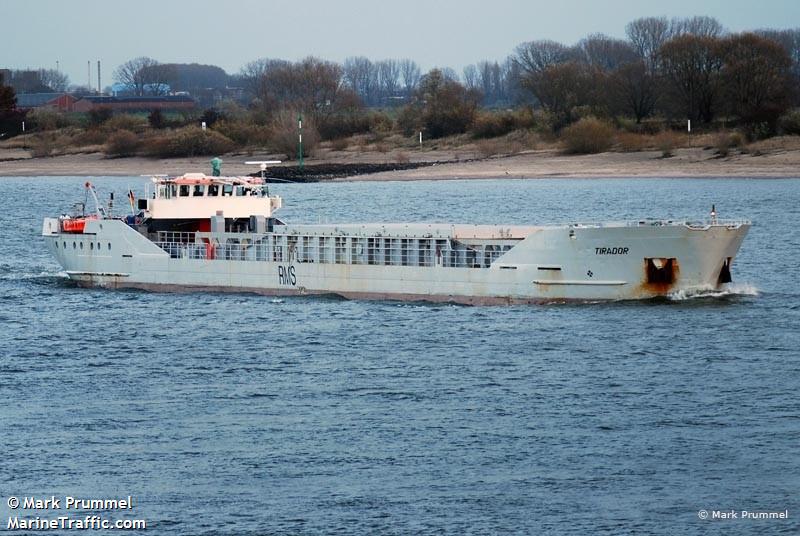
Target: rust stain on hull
<point x="659" y="277"/>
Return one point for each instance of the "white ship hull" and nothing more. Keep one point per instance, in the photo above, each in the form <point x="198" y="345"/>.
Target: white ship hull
<point x="445" y="263"/>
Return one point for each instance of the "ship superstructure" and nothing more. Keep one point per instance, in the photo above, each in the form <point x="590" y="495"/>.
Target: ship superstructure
<point x="196" y="232"/>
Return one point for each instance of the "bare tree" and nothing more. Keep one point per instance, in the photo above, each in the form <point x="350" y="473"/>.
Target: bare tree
<point x="562" y="88"/>
<point x="55" y="80"/>
<point x="28" y="81"/>
<point x="312" y="86"/>
<point x="159" y="78"/>
<point x="388" y="78"/>
<point x="138" y="73"/>
<point x="489" y="78"/>
<point x="410" y="74"/>
<point x="8" y="98"/>
<point x="790" y="41"/>
<point x="443" y="107"/>
<point x="254" y="72"/>
<point x="634" y="90"/>
<point x="756" y="78"/>
<point x="487" y="73"/>
<point x="699" y="26"/>
<point x="513" y="83"/>
<point x="449" y="74"/>
<point x="606" y="53"/>
<point x="471" y="77"/>
<point x="360" y="74"/>
<point x="536" y="56"/>
<point x="691" y="66"/>
<point x="647" y="35"/>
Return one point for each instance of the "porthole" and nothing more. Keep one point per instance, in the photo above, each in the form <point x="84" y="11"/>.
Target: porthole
<point x="65" y="244"/>
<point x="91" y="246"/>
<point x="56" y="245"/>
<point x="74" y="245"/>
<point x="109" y="246"/>
<point x="98" y="246"/>
<point x="81" y="245"/>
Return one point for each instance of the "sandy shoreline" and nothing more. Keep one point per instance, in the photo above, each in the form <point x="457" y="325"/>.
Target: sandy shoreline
<point x="686" y="163"/>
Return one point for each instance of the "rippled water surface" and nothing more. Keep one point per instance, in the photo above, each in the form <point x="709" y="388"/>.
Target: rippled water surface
<point x="242" y="414"/>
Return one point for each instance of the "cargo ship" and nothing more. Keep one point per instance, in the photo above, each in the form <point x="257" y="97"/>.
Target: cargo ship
<point x="209" y="233"/>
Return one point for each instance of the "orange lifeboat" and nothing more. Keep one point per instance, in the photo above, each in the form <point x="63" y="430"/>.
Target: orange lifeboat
<point x="75" y="225"/>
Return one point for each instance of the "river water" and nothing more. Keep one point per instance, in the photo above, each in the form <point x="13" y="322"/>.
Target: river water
<point x="243" y="414"/>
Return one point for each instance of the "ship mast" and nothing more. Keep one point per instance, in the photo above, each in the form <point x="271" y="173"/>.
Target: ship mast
<point x="101" y="212"/>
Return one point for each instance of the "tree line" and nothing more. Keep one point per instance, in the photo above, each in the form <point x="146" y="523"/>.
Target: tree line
<point x="672" y="69"/>
<point x="680" y="69"/>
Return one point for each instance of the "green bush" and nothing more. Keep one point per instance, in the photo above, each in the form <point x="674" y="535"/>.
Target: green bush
<point x="588" y="136"/>
<point x="122" y="143"/>
<point x="42" y="146"/>
<point x="790" y="123"/>
<point x="91" y="136"/>
<point x="285" y="139"/>
<point x="409" y="120"/>
<point x="724" y="141"/>
<point x="244" y="134"/>
<point x="666" y="142"/>
<point x="344" y="125"/>
<point x="44" y="119"/>
<point x="131" y="122"/>
<point x="188" y="141"/>
<point x="98" y="116"/>
<point x="445" y="121"/>
<point x="156" y="119"/>
<point x="380" y="122"/>
<point x="493" y="125"/>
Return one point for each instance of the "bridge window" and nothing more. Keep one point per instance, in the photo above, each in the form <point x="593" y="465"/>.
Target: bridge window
<point x="184" y="191"/>
<point x="213" y="190"/>
<point x="199" y="190"/>
<point x="240" y="191"/>
<point x="227" y="189"/>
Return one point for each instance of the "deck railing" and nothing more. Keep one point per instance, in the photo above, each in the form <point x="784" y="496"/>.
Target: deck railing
<point x="378" y="251"/>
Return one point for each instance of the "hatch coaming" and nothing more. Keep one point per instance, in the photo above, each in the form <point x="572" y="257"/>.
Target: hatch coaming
<point x="309" y="248"/>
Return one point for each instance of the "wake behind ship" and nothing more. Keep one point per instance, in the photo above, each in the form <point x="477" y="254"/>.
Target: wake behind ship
<point x="198" y="233"/>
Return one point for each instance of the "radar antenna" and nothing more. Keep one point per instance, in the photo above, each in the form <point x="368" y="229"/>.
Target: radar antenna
<point x="262" y="164"/>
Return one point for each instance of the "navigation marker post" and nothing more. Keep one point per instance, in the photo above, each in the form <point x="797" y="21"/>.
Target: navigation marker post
<point x="300" y="141"/>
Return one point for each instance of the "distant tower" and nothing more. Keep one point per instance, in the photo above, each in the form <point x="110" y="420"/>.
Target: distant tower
<point x="98" y="78"/>
<point x="89" y="74"/>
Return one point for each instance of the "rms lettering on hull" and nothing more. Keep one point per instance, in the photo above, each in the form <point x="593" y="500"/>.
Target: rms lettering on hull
<point x="286" y="276"/>
<point x="611" y="251"/>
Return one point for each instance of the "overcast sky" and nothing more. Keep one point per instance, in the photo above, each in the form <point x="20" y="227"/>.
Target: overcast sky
<point x="229" y="33"/>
